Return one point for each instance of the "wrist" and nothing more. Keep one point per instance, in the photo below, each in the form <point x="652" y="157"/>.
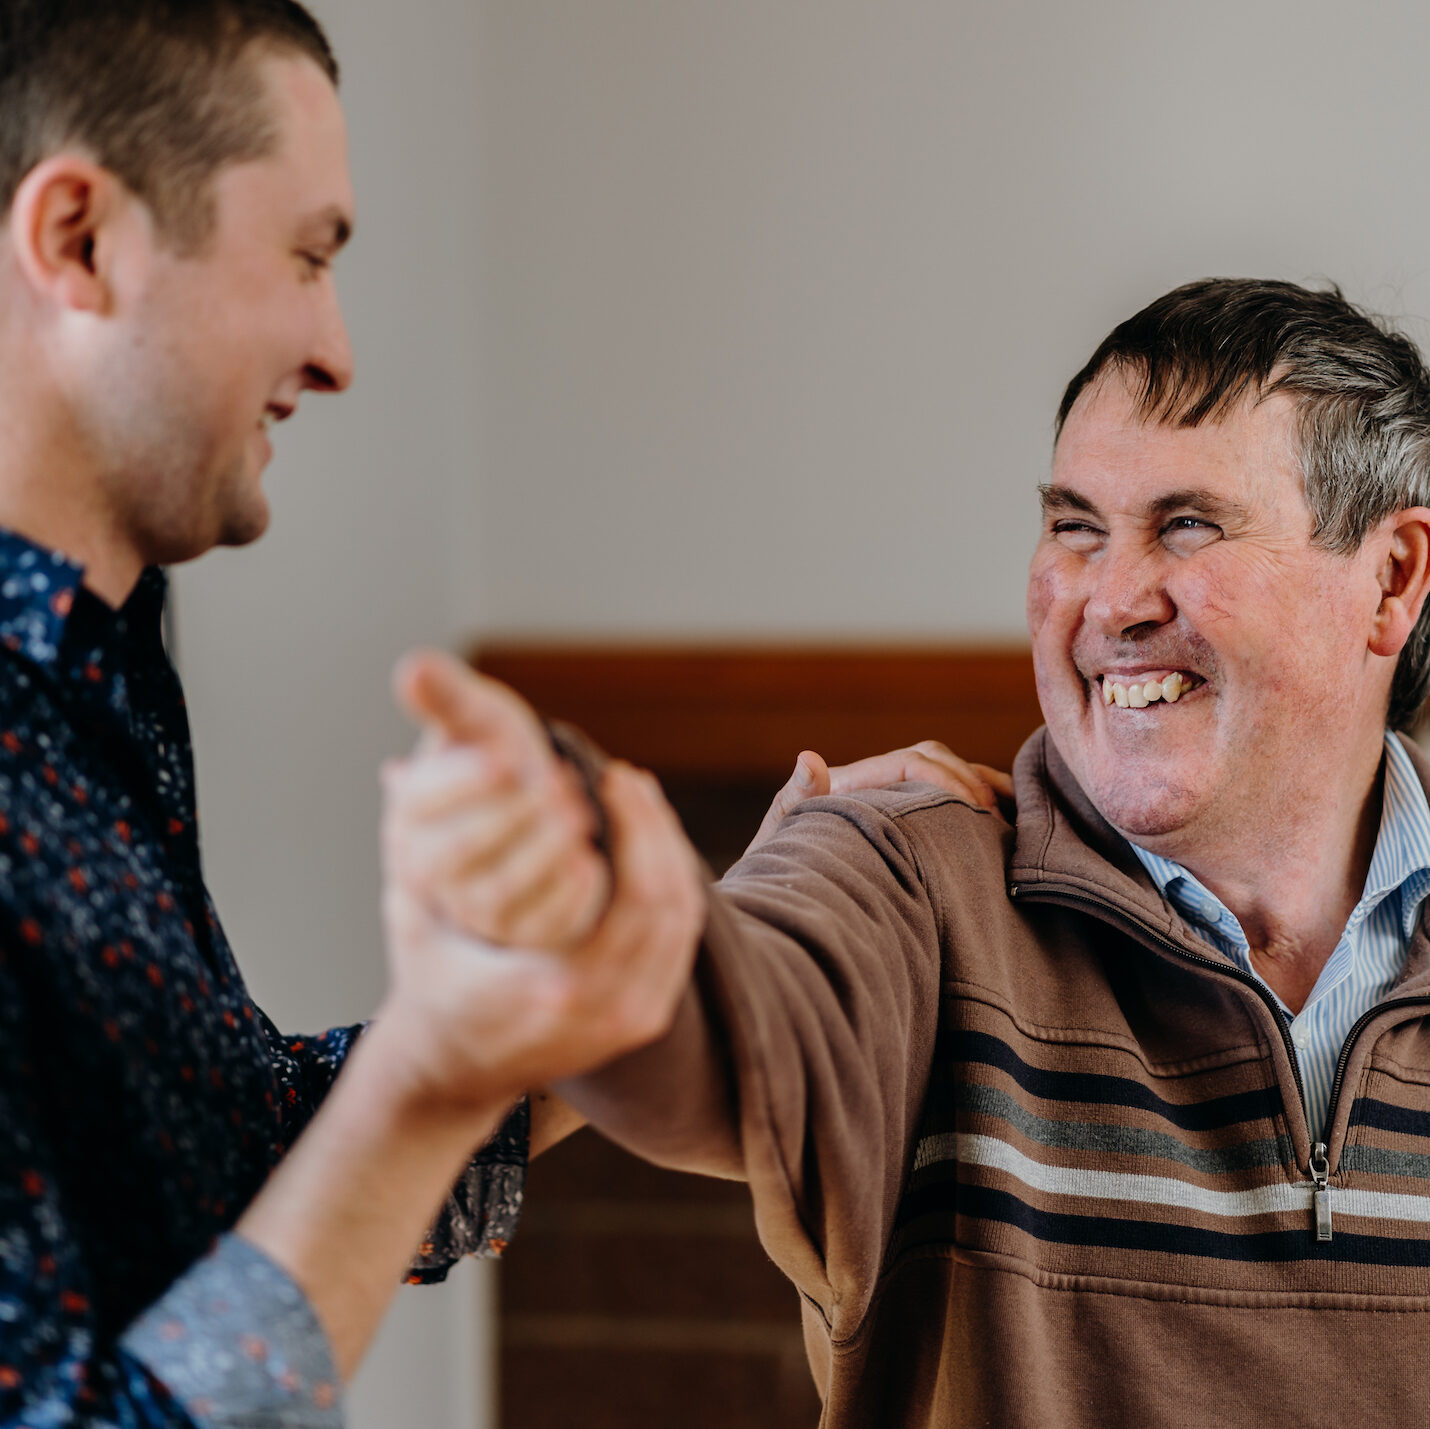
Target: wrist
<point x="401" y="1066"/>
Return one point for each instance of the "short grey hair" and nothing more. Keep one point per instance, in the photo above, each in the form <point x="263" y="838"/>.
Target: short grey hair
<point x="1362" y="394"/>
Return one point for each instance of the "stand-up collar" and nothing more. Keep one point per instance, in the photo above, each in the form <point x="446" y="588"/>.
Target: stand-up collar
<point x="45" y="607"/>
<point x="1061" y="839"/>
<point x="37" y="593"/>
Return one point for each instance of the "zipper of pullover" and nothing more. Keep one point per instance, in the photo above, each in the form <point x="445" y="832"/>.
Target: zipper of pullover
<point x="1319" y="1169"/>
<point x="1110" y="913"/>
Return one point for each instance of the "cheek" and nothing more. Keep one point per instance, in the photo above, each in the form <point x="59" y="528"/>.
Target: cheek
<point x="1251" y="598"/>
<point x="1042" y="595"/>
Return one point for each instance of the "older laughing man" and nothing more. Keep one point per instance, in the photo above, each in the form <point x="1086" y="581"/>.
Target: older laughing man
<point x="1121" y="1115"/>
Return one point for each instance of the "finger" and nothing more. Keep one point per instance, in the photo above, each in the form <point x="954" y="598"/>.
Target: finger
<point x="657" y="872"/>
<point x="987" y="783"/>
<point x="640" y="959"/>
<point x="432" y="853"/>
<point x="433" y="785"/>
<point x="954" y="775"/>
<point x="645" y="829"/>
<point x="872" y="773"/>
<point x="1000" y="782"/>
<point x="623" y="984"/>
<point x="514" y="881"/>
<point x="929" y="763"/>
<point x="809" y="780"/>
<point x="445" y="695"/>
<point x="564" y="908"/>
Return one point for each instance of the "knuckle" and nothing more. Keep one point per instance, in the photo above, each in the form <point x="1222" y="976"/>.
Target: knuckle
<point x="473" y="907"/>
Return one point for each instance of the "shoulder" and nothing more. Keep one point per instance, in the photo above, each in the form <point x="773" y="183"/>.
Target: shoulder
<point x="913" y="831"/>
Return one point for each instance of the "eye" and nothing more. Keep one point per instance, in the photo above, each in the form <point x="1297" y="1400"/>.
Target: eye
<point x="1184" y="534"/>
<point x="1075" y="535"/>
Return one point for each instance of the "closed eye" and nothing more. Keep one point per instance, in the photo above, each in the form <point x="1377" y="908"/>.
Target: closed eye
<point x="1184" y="534"/>
<point x="1080" y="536"/>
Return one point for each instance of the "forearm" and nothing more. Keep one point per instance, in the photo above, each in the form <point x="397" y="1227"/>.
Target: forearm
<point x="673" y="1102"/>
<point x="344" y="1211"/>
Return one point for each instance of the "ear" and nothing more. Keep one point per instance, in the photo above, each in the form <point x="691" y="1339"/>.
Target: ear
<point x="1404" y="580"/>
<point x="61" y="227"/>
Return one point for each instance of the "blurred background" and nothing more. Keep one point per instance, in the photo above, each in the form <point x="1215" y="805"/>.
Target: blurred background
<point x="699" y="323"/>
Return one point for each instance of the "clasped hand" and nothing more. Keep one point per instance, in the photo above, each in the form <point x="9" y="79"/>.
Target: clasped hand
<point x="518" y="954"/>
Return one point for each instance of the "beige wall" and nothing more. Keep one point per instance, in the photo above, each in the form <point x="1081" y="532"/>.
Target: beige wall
<point x="779" y="295"/>
<point x="727" y="317"/>
<point x="286" y="647"/>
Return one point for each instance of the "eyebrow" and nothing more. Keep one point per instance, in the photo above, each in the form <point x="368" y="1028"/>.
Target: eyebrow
<point x="1063" y="498"/>
<point x="1205" y="503"/>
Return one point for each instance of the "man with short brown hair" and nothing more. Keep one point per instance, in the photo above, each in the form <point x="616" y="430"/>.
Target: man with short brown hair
<point x="174" y="188"/>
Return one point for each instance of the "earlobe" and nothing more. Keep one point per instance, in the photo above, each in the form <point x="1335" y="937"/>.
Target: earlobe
<point x="61" y="215"/>
<point x="1404" y="581"/>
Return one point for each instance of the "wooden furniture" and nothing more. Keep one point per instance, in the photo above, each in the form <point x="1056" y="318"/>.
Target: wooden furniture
<point x="635" y="1298"/>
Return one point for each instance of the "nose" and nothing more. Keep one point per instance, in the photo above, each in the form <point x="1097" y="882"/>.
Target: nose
<point x="1129" y="594"/>
<point x="330" y="366"/>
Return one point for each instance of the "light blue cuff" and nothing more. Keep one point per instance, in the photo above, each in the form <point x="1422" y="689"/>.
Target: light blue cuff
<point x="236" y="1342"/>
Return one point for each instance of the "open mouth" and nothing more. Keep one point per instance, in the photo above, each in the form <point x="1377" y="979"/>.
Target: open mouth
<point x="1138" y="691"/>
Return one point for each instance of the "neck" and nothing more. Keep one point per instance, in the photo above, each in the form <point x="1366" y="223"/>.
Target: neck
<point x="50" y="494"/>
<point x="1293" y="881"/>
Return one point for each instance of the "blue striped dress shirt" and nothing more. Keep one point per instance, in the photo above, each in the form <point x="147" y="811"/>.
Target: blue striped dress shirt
<point x="1370" y="955"/>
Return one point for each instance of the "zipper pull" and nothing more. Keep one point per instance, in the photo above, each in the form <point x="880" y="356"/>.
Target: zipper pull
<point x="1321" y="1175"/>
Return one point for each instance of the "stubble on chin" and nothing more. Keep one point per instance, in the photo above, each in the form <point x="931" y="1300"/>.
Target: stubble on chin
<point x="1144" y="806"/>
<point x="245" y="524"/>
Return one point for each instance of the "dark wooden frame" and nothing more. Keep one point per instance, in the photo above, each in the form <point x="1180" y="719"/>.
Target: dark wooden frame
<point x="745" y="711"/>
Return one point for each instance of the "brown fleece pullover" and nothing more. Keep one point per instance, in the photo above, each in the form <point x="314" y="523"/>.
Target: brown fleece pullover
<point x="1031" y="1150"/>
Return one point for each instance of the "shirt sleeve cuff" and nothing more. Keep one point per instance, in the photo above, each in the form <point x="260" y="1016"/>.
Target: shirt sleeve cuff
<point x="482" y="1209"/>
<point x="236" y="1342"/>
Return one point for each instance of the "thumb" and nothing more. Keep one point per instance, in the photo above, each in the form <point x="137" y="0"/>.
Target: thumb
<point x="810" y="780"/>
<point x="450" y="699"/>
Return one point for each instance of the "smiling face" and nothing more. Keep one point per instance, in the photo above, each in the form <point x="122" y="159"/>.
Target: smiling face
<point x="1197" y="657"/>
<point x="207" y="349"/>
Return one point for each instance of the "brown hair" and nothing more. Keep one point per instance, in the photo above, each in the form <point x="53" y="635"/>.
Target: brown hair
<point x="1362" y="396"/>
<point x="161" y="92"/>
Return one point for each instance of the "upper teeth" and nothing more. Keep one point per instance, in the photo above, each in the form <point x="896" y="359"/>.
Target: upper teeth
<point x="1140" y="694"/>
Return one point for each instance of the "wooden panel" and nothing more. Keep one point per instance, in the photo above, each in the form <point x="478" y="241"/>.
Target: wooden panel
<point x="638" y="1298"/>
<point x="747" y="711"/>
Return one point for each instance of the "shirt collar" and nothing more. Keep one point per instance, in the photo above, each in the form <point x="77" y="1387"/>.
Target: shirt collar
<point x="1401" y="859"/>
<point x="37" y="593"/>
<point x="1402" y="848"/>
<point x="40" y="590"/>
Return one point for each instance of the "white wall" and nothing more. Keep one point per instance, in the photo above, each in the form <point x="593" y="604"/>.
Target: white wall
<point x="286" y="647"/>
<point x="727" y="317"/>
<point x="781" y="294"/>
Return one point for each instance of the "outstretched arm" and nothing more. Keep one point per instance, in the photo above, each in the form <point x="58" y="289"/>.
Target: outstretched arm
<point x="452" y="815"/>
<point x="799" y="1053"/>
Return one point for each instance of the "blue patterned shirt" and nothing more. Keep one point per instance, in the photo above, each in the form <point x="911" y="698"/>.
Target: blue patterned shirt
<point x="143" y="1097"/>
<point x="1370" y="956"/>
